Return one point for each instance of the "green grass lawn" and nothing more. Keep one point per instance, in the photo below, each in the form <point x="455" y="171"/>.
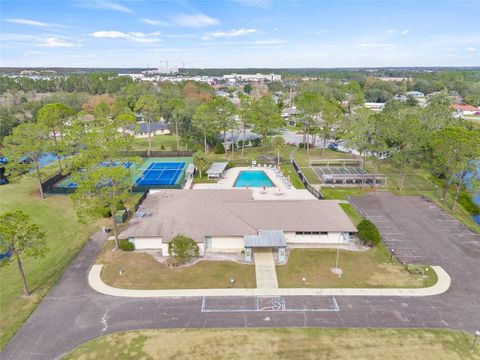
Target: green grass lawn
<point x="352" y="213"/>
<point x="142" y="271"/>
<point x="286" y="344"/>
<point x="361" y="269"/>
<point x="65" y="236"/>
<point x="303" y="160"/>
<point x="167" y="141"/>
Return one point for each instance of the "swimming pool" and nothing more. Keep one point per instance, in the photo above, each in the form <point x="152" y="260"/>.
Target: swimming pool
<point x="253" y="178"/>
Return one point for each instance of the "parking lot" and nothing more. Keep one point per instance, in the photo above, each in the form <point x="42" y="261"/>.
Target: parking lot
<point x="417" y="230"/>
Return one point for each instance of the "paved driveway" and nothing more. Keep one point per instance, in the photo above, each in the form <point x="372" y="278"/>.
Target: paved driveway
<point x="73" y="313"/>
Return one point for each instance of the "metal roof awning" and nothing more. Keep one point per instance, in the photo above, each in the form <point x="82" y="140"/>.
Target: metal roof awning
<point x="190" y="169"/>
<point x="217" y="168"/>
<point x="266" y="238"/>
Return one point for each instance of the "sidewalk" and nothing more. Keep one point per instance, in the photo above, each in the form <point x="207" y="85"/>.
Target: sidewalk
<point x="97" y="284"/>
<point x="265" y="271"/>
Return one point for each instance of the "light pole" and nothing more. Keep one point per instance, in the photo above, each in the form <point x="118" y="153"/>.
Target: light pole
<point x="391" y="254"/>
<point x="477" y="334"/>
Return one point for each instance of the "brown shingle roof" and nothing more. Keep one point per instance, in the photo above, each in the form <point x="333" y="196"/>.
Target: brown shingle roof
<point x="200" y="213"/>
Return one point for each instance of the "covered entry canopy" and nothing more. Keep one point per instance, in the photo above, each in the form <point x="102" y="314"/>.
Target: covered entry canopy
<point x="216" y="170"/>
<point x="265" y="239"/>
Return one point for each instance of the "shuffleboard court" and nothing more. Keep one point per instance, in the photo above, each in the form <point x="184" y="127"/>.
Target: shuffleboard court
<point x="160" y="173"/>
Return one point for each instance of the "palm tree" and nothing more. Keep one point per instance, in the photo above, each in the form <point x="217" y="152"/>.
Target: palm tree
<point x="278" y="144"/>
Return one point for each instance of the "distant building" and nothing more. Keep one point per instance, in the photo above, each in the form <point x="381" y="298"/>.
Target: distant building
<point x="416" y="94"/>
<point x="237" y="138"/>
<point x="374" y="106"/>
<point x="402" y="98"/>
<point x="290" y="115"/>
<point x="392" y="78"/>
<point x="140" y="130"/>
<point x="462" y="109"/>
<point x="162" y="71"/>
<point x="252" y="77"/>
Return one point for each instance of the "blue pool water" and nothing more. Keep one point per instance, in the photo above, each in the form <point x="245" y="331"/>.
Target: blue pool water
<point x="253" y="178"/>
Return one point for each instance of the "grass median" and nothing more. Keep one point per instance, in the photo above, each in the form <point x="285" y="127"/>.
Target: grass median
<point x="65" y="236"/>
<point x="286" y="344"/>
<point x="142" y="271"/>
<point x="361" y="269"/>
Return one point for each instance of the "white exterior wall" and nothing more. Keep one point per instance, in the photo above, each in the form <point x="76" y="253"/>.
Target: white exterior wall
<point x="227" y="244"/>
<point x="330" y="238"/>
<point x="151" y="243"/>
<point x="148" y="243"/>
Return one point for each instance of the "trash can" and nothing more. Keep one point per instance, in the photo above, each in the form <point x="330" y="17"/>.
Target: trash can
<point x="120" y="216"/>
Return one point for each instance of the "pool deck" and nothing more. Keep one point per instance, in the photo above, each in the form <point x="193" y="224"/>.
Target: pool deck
<point x="271" y="193"/>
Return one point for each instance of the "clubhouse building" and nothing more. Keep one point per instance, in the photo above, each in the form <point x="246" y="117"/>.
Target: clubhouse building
<point x="232" y="221"/>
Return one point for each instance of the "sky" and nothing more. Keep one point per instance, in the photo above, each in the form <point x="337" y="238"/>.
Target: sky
<point x="239" y="33"/>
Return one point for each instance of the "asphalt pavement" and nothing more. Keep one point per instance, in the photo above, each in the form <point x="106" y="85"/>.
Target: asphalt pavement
<point x="73" y="313"/>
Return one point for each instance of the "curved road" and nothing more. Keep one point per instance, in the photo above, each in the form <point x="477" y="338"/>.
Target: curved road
<point x="73" y="313"/>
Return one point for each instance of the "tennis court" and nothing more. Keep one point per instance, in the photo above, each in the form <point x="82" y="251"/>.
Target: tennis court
<point x="161" y="173"/>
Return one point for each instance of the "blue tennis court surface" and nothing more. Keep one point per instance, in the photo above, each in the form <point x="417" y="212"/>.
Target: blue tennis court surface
<point x="161" y="173"/>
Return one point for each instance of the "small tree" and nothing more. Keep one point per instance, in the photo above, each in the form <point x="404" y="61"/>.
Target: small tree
<point x="24" y="148"/>
<point x="149" y="106"/>
<point x="19" y="237"/>
<point x="183" y="249"/>
<point x="454" y="150"/>
<point x="53" y="117"/>
<point x="100" y="188"/>
<point x="205" y="120"/>
<point x="278" y="144"/>
<point x="368" y="233"/>
<point x="248" y="89"/>
<point x="200" y="161"/>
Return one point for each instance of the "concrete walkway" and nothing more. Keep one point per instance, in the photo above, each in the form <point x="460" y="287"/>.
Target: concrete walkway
<point x="97" y="284"/>
<point x="265" y="271"/>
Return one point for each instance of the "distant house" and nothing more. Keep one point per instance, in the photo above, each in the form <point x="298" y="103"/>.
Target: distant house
<point x="140" y="130"/>
<point x="237" y="138"/>
<point x="221" y="93"/>
<point x="401" y="98"/>
<point x="463" y="109"/>
<point x="377" y="107"/>
<point x="290" y="115"/>
<point x="416" y="94"/>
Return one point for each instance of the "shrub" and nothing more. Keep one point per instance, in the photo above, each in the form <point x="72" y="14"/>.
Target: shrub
<point x="162" y="147"/>
<point x="126" y="245"/>
<point x="230" y="165"/>
<point x="301" y="145"/>
<point x="368" y="233"/>
<point x="219" y="149"/>
<point x="103" y="212"/>
<point x="183" y="249"/>
<point x="256" y="142"/>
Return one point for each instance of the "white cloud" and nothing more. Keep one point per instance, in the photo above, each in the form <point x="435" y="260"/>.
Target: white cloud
<point x="268" y="42"/>
<point x="53" y="42"/>
<point x="405" y="32"/>
<point x="195" y="21"/>
<point x="155" y="22"/>
<point x="229" y="33"/>
<point x="471" y="49"/>
<point x="109" y="34"/>
<point x="29" y="22"/>
<point x="390" y="31"/>
<point x="139" y="37"/>
<point x="105" y="5"/>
